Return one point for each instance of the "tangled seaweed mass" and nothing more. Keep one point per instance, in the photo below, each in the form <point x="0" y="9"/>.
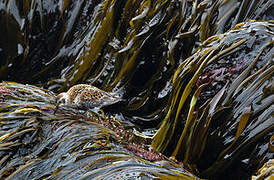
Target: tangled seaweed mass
<point x="37" y="144"/>
<point x="195" y="76"/>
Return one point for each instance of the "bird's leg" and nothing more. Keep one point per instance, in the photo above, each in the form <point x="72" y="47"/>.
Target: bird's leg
<point x="56" y="109"/>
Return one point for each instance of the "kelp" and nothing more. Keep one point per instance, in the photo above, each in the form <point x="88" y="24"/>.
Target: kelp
<point x="265" y="172"/>
<point x="221" y="105"/>
<point x="132" y="47"/>
<point x="216" y="104"/>
<point x="36" y="143"/>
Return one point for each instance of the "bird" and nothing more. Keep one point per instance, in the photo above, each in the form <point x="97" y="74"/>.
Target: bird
<point x="84" y="96"/>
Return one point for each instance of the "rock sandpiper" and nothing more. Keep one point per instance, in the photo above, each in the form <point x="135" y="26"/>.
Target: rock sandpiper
<point x="84" y="96"/>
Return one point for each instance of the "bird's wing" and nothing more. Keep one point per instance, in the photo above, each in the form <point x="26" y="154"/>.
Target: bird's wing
<point x="89" y="98"/>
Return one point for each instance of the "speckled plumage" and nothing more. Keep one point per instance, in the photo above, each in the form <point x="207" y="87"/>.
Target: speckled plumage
<point x="85" y="96"/>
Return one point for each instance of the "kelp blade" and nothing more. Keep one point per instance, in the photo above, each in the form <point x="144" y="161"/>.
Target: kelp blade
<point x="233" y="113"/>
<point x="132" y="47"/>
<point x="38" y="143"/>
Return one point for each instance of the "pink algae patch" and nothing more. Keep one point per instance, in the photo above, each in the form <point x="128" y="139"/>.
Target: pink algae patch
<point x="5" y="91"/>
<point x="144" y="154"/>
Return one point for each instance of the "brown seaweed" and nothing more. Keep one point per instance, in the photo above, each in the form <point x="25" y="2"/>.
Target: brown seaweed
<point x="265" y="172"/>
<point x="188" y="63"/>
<point x="222" y="103"/>
<point x="133" y="47"/>
<point x="35" y="143"/>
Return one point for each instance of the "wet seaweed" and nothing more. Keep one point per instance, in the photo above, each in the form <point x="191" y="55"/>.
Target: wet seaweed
<point x="35" y="143"/>
<point x="221" y="103"/>
<point x="199" y="66"/>
<point x="132" y="47"/>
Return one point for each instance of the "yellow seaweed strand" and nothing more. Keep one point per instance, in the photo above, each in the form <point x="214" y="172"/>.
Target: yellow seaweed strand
<point x="95" y="46"/>
<point x="189" y="121"/>
<point x="5" y="136"/>
<point x="241" y="126"/>
<point x="191" y="83"/>
<point x="24" y="110"/>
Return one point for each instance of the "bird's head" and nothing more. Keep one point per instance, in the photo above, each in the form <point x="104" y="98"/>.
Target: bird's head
<point x="61" y="100"/>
